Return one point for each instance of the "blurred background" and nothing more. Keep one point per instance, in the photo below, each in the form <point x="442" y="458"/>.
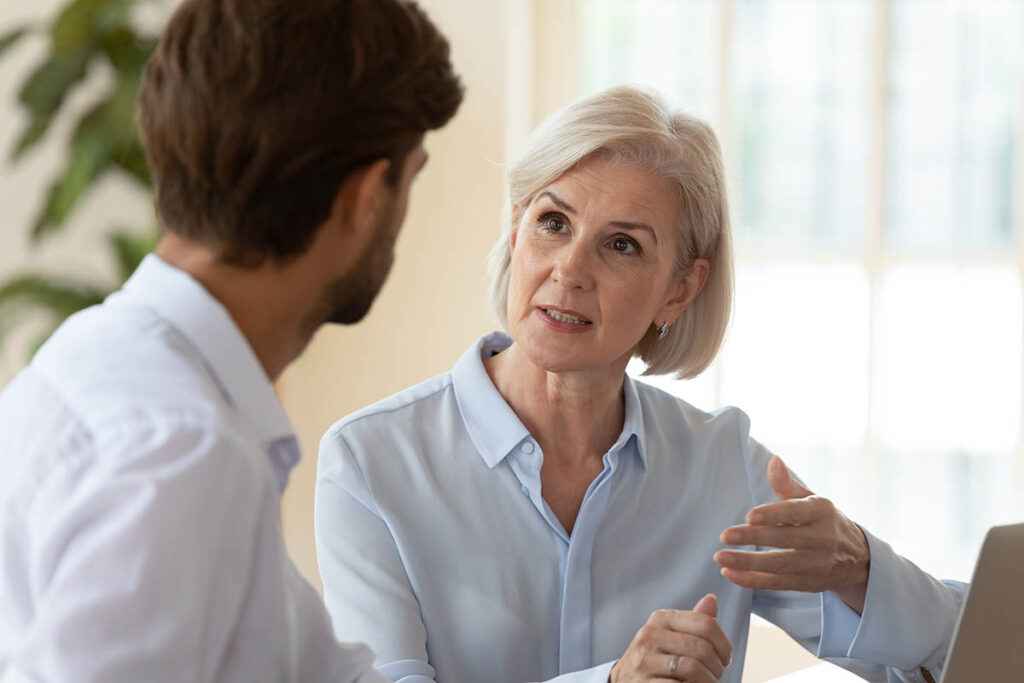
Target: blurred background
<point x="875" y="151"/>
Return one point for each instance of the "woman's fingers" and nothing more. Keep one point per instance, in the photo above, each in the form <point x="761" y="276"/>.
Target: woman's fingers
<point x="796" y="511"/>
<point x="677" y="645"/>
<point x="669" y="644"/>
<point x="807" y="583"/>
<point x="687" y="669"/>
<point x="775" y="536"/>
<point x="776" y="561"/>
<point x="696" y="624"/>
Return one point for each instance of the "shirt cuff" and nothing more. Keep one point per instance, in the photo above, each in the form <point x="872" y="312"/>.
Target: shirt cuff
<point x="596" y="674"/>
<point x="908" y="617"/>
<point x="408" y="671"/>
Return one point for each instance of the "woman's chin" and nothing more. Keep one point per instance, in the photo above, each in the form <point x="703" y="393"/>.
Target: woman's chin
<point x="561" y="356"/>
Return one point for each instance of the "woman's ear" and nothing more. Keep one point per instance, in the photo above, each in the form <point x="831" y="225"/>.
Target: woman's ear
<point x="684" y="291"/>
<point x="514" y="229"/>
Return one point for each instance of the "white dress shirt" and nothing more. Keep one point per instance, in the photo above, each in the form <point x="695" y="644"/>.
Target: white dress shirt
<point x="142" y="458"/>
<point x="437" y="548"/>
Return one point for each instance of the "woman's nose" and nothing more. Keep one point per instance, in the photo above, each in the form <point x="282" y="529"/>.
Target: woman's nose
<point x="573" y="268"/>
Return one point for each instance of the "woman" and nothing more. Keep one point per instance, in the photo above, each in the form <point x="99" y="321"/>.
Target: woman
<point x="535" y="514"/>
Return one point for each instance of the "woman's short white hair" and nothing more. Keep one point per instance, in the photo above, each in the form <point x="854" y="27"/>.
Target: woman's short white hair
<point x="635" y="127"/>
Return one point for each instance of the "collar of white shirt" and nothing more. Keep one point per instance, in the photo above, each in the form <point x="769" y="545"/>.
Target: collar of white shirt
<point x="186" y="305"/>
<point x="493" y="426"/>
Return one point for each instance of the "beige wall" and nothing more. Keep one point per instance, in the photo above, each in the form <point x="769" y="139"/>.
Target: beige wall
<point x="432" y="307"/>
<point x="434" y="304"/>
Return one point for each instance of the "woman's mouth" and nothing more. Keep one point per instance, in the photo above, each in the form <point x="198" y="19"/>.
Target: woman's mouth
<point x="565" y="317"/>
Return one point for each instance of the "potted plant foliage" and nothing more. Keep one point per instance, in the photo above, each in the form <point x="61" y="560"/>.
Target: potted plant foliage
<point x="104" y="140"/>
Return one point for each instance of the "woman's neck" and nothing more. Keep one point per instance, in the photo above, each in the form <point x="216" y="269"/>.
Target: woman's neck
<point x="575" y="416"/>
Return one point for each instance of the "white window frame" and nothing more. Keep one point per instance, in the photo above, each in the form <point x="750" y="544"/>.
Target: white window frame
<point x="543" y="75"/>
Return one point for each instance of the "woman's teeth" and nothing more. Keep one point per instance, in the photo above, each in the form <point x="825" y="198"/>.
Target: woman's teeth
<point x="565" y="317"/>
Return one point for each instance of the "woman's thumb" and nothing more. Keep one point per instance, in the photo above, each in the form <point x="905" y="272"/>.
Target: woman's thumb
<point x="707" y="605"/>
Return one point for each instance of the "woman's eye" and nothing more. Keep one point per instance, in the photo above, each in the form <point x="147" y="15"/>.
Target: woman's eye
<point x="552" y="223"/>
<point x="625" y="245"/>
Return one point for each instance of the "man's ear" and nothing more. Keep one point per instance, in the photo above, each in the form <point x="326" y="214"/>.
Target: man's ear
<point x="361" y="198"/>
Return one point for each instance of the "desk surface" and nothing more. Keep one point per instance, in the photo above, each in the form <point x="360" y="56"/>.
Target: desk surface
<point x="819" y="673"/>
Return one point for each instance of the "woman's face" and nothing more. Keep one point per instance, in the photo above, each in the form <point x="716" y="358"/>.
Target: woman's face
<point x="594" y="265"/>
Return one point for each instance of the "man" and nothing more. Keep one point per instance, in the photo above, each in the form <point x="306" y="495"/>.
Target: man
<point x="143" y="452"/>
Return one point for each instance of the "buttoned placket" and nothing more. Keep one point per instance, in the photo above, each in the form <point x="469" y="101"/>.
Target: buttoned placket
<point x="575" y="550"/>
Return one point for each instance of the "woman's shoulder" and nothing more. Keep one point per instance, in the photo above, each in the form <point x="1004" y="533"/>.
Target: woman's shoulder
<point x="409" y="407"/>
<point x="666" y="410"/>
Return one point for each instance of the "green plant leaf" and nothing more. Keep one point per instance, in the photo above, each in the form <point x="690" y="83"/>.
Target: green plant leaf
<point x="43" y="93"/>
<point x="105" y="137"/>
<point x="56" y="297"/>
<point x="11" y="37"/>
<point x="32" y="134"/>
<point x="128" y="52"/>
<point x="85" y="22"/>
<point x="45" y="88"/>
<point x="133" y="162"/>
<point x="90" y="155"/>
<point x="130" y="249"/>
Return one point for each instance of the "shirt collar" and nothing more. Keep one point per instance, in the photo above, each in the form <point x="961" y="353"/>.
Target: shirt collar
<point x="207" y="325"/>
<point x="494" y="427"/>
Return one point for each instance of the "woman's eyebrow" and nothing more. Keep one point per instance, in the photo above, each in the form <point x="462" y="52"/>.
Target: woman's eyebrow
<point x="560" y="203"/>
<point x="629" y="225"/>
<point x="622" y="225"/>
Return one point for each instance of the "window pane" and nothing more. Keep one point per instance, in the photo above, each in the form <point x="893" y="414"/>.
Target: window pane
<point x="700" y="392"/>
<point x="801" y="95"/>
<point x="796" y="356"/>
<point x="939" y="506"/>
<point x="665" y="44"/>
<point x="948" y="374"/>
<point x="956" y="119"/>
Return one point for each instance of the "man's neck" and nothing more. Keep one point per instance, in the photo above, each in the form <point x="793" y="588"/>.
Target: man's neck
<point x="262" y="300"/>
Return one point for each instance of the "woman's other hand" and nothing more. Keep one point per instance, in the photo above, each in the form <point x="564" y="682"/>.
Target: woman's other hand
<point x="820" y="548"/>
<point x="676" y="645"/>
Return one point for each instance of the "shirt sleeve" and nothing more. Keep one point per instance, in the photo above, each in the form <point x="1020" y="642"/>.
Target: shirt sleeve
<point x="366" y="588"/>
<point x="140" y="563"/>
<point x="146" y="554"/>
<point x="908" y="620"/>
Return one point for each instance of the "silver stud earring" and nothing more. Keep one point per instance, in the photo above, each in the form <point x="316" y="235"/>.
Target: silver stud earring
<point x="663" y="331"/>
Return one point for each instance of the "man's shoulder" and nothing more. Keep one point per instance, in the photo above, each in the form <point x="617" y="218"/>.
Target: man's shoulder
<point x="110" y="388"/>
<point x="119" y="359"/>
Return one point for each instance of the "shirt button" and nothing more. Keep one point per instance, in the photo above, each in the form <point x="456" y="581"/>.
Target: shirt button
<point x="526" y="491"/>
<point x="527" y="447"/>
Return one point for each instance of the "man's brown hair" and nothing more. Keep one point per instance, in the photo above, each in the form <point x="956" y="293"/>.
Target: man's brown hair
<point x="253" y="113"/>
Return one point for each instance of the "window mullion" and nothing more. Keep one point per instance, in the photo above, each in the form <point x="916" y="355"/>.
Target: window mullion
<point x="724" y="125"/>
<point x="1018" y="213"/>
<point x="872" y="474"/>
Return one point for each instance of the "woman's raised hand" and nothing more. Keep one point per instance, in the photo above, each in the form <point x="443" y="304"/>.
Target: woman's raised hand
<point x="676" y="645"/>
<point x="819" y="547"/>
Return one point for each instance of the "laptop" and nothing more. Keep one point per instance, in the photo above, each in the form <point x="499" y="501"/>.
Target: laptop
<point x="988" y="644"/>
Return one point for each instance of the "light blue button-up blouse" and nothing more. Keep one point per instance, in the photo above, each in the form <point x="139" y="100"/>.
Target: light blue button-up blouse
<point x="437" y="549"/>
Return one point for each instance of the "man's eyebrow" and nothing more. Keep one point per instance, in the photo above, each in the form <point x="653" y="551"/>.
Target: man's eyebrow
<point x="629" y="225"/>
<point x="560" y="203"/>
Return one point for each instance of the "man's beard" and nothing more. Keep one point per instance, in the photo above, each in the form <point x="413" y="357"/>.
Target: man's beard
<point x="349" y="298"/>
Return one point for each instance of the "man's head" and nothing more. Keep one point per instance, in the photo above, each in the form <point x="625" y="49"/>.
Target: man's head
<point x="258" y="114"/>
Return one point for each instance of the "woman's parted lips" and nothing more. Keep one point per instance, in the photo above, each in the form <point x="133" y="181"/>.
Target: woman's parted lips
<point x="567" y="311"/>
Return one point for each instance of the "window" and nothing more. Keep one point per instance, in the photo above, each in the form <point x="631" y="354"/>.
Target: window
<point x="875" y="152"/>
